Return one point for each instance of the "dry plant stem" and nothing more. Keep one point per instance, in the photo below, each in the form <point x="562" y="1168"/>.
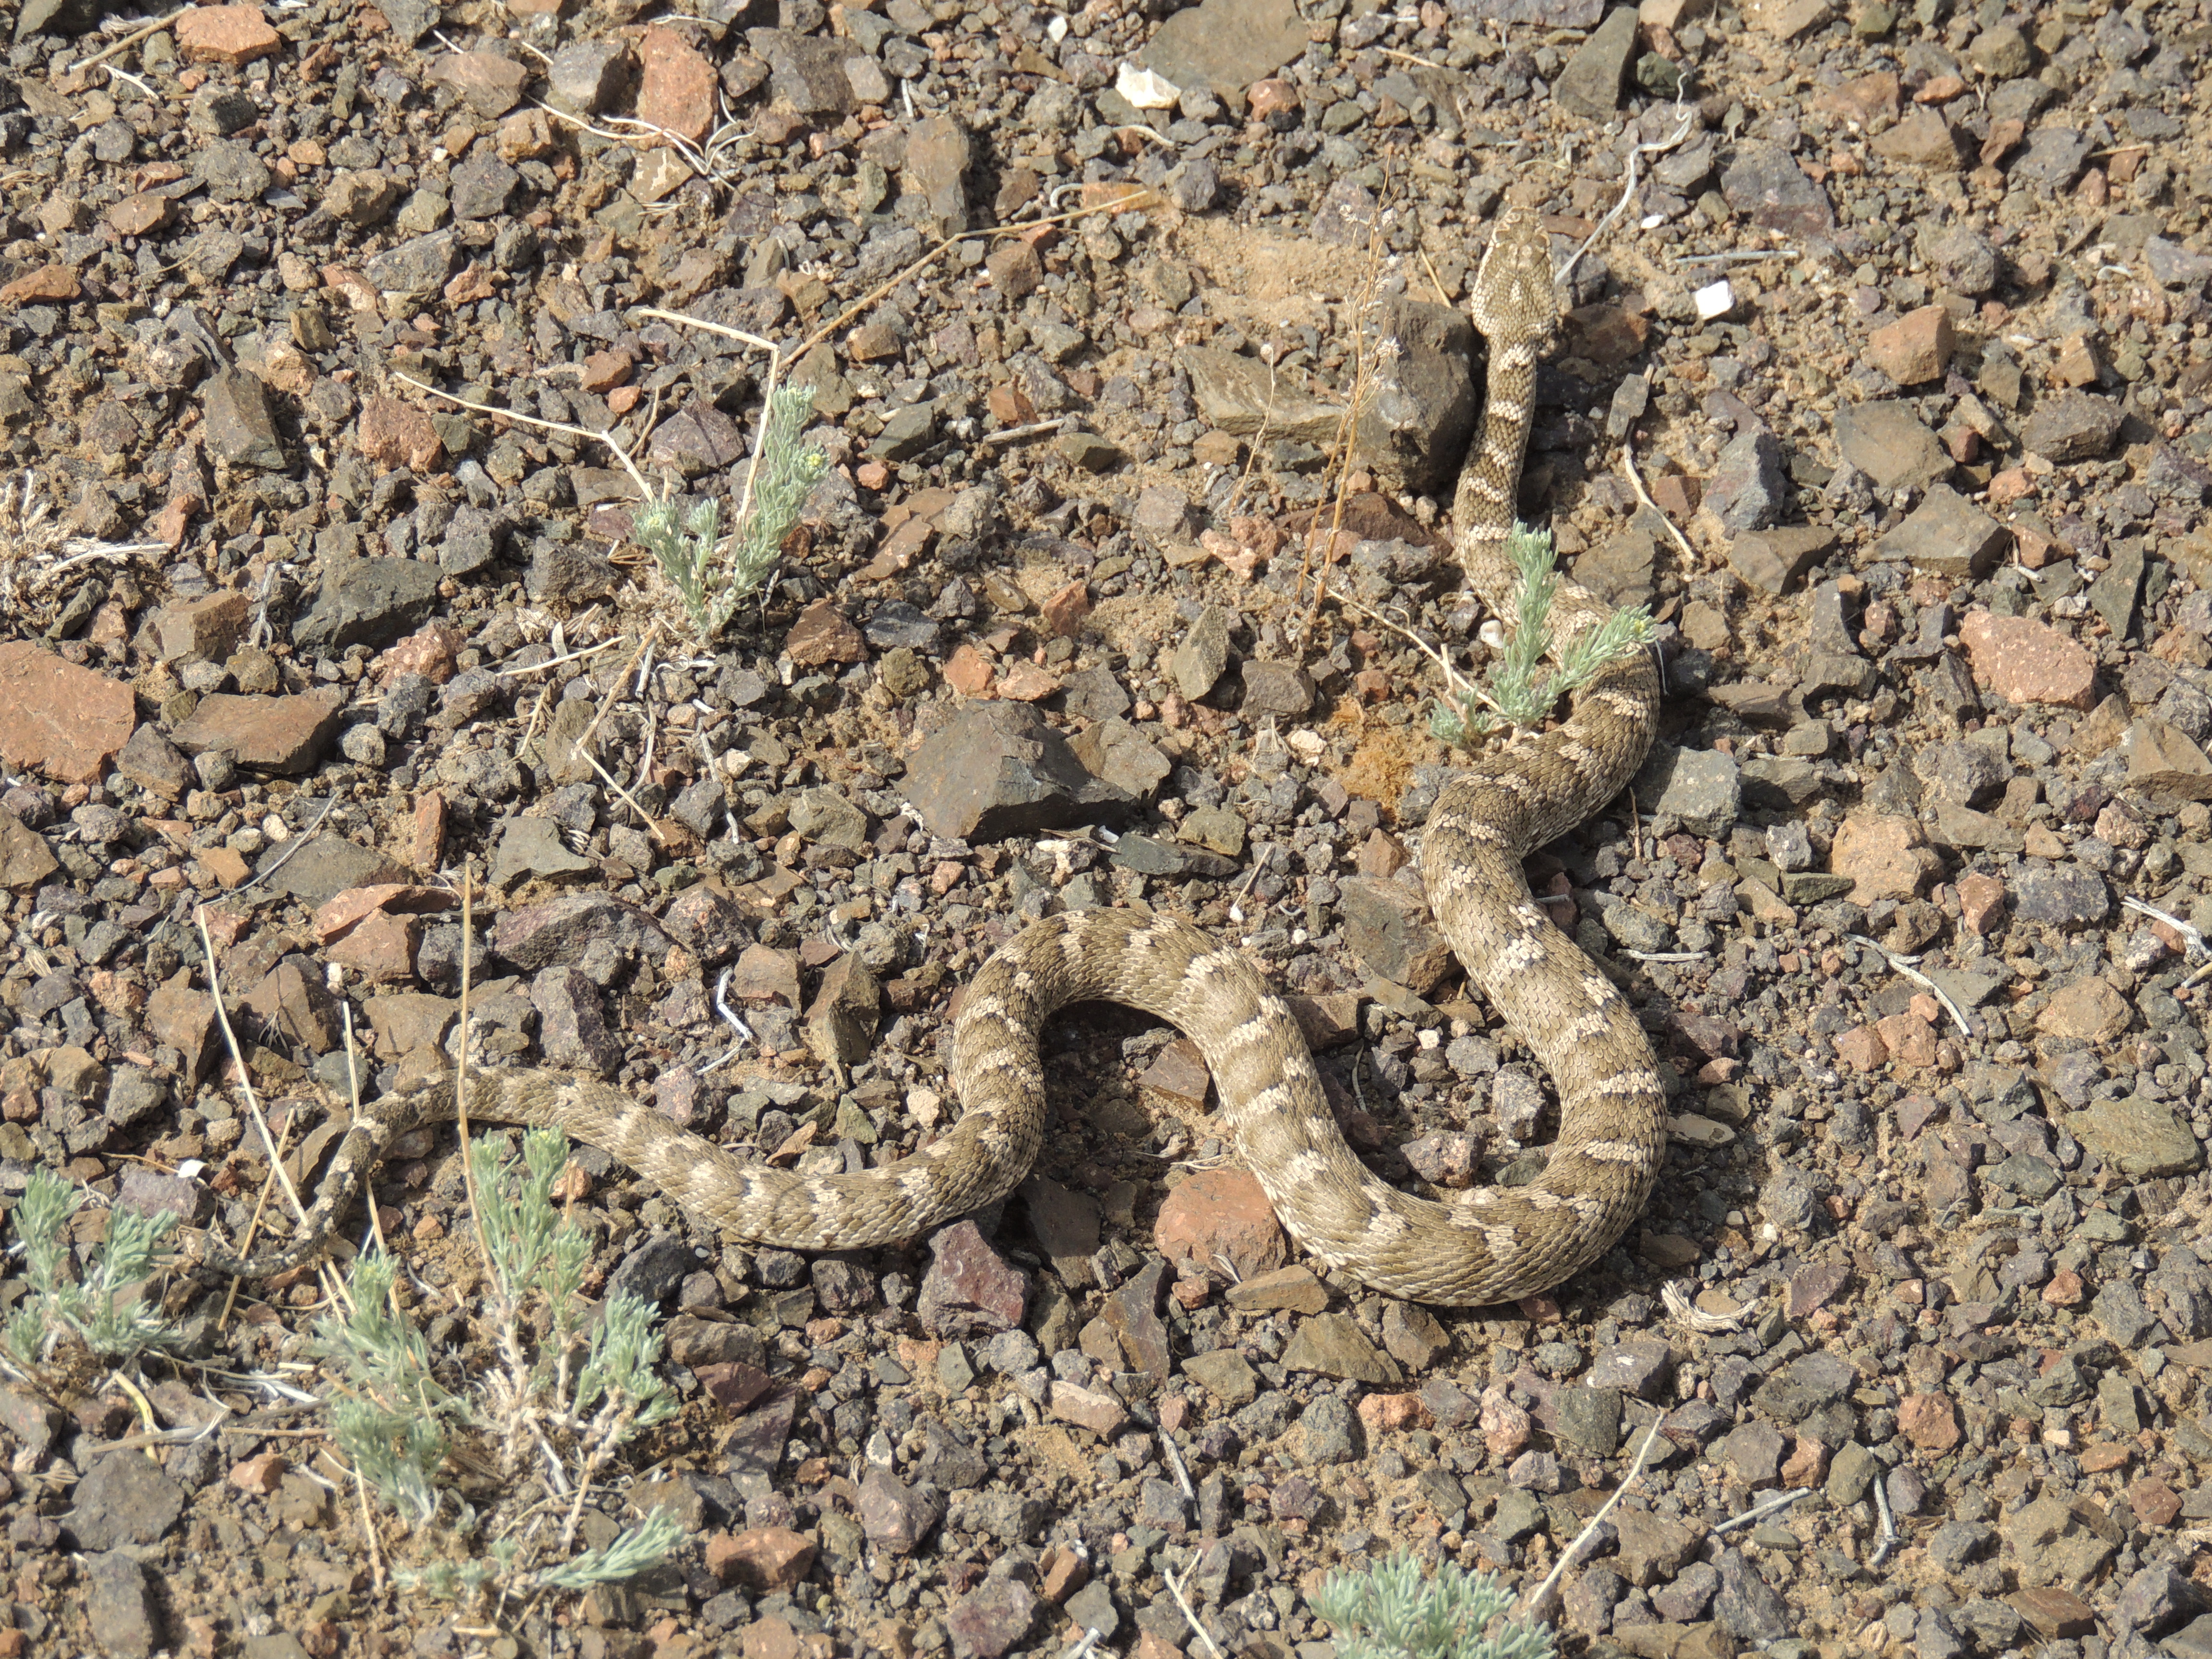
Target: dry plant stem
<point x="1904" y="965"/>
<point x="930" y="258"/>
<point x="461" y="1064"/>
<point x="298" y="841"/>
<point x="368" y="1529"/>
<point x="644" y="490"/>
<point x="145" y="1407"/>
<point x="1681" y="1308"/>
<point x="1340" y="463"/>
<point x="1175" y="1461"/>
<point x="353" y="1092"/>
<point x="1636" y="480"/>
<point x="1435" y="281"/>
<point x="2191" y="938"/>
<point x="1658" y="147"/>
<point x="127" y="41"/>
<point x="626" y="800"/>
<point x="557" y="662"/>
<point x="1532" y="1603"/>
<point x="1888" y="1526"/>
<point x="768" y="388"/>
<point x="1190" y="1617"/>
<point x="1035" y="429"/>
<point x="1760" y="1511"/>
<point x="246" y="1082"/>
<point x="614" y="691"/>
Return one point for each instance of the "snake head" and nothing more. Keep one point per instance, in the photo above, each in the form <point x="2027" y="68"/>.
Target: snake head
<point x="1515" y="297"/>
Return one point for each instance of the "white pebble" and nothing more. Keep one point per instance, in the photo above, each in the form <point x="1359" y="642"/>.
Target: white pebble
<point x="1714" y="300"/>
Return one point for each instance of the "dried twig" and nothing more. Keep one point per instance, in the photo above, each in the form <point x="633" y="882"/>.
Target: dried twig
<point x="567" y="657"/>
<point x="252" y="1100"/>
<point x="1636" y="479"/>
<point x="298" y="841"/>
<point x="1904" y="965"/>
<point x="1759" y="1511"/>
<point x="1888" y="1524"/>
<point x="1190" y="1617"/>
<point x="2192" y="941"/>
<point x="130" y="40"/>
<point x="1628" y="191"/>
<point x="1013" y="434"/>
<point x="461" y="1067"/>
<point x="1175" y="1461"/>
<point x="606" y="438"/>
<point x="1533" y="1603"/>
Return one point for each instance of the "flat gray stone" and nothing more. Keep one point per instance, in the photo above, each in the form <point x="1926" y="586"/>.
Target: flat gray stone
<point x="997" y="769"/>
<point x="325" y="867"/>
<point x="1414" y="426"/>
<point x="373" y="602"/>
<point x="533" y="847"/>
<point x="1117" y="753"/>
<point x="239" y="429"/>
<point x="1886" y="440"/>
<point x="1777" y="559"/>
<point x="2141" y="1139"/>
<point x="1947" y="535"/>
<point x="1225" y="46"/>
<point x="1745" y="491"/>
<point x="1700" y="786"/>
<point x="1764" y="185"/>
<point x="2172" y="265"/>
<point x="1202" y="657"/>
<point x="124" y="1500"/>
<point x="2072" y="426"/>
<point x="1240" y="395"/>
<point x="1590" y="84"/>
<point x="414" y="270"/>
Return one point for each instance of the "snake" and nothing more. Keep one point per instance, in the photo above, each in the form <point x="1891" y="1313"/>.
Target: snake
<point x="1495" y="1244"/>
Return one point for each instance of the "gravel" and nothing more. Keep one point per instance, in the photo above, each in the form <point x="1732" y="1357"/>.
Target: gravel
<point x="1906" y="336"/>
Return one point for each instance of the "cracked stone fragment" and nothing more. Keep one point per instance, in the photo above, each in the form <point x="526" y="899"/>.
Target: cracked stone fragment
<point x="998" y="769"/>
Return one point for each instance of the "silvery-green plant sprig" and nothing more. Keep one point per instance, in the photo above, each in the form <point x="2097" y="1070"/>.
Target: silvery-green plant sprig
<point x="1521" y="692"/>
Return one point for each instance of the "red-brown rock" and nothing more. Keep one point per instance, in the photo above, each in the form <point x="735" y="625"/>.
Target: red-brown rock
<point x="1915" y="349"/>
<point x="1929" y="1422"/>
<point x="395" y="435"/>
<point x="1217" y="1216"/>
<point x="283" y="734"/>
<point x="2023" y="660"/>
<point x="65" y="721"/>
<point x="822" y="635"/>
<point x="1885" y="857"/>
<point x="488" y="83"/>
<point x="1910" y="1039"/>
<point x="1066" y="612"/>
<point x="1862" y="1049"/>
<point x="2154" y="1502"/>
<point x="226" y="34"/>
<point x="760" y="1559"/>
<point x="676" y="90"/>
<point x="48" y="285"/>
<point x="1981" y="903"/>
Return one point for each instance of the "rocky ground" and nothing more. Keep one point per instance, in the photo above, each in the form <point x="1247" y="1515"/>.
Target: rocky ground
<point x="1904" y="328"/>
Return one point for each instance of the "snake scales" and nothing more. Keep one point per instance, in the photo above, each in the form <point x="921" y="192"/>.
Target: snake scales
<point x="1499" y="1243"/>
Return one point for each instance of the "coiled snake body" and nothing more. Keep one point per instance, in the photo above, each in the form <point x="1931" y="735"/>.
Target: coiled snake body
<point x="1497" y="1244"/>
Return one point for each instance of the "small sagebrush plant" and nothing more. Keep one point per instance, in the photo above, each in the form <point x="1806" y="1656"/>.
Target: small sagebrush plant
<point x="101" y="1308"/>
<point x="1395" y="1611"/>
<point x="563" y="1394"/>
<point x="1521" y="692"/>
<point x="714" y="574"/>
